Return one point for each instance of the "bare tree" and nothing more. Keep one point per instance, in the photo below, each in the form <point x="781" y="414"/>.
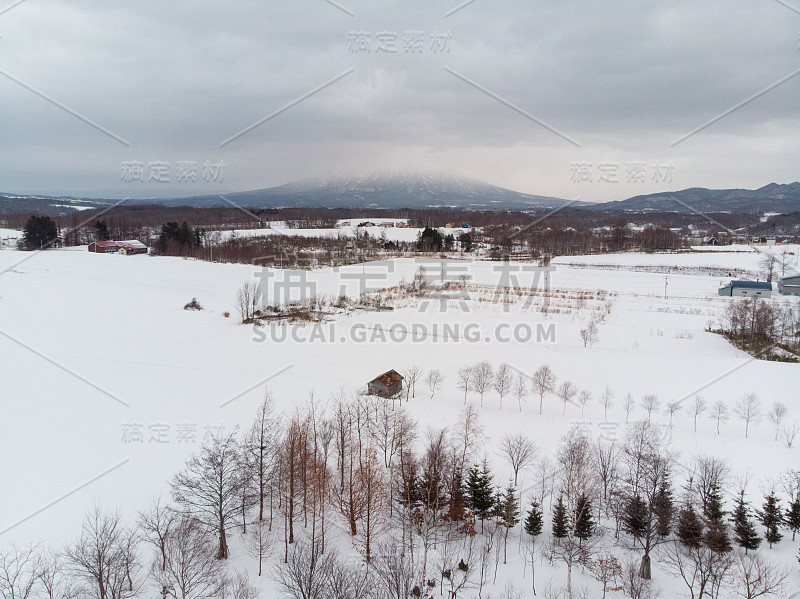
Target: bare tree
<point x="237" y="586"/>
<point x="589" y="334"/>
<point x="521" y="389"/>
<point x="411" y="375"/>
<point x="372" y="488"/>
<point x="697" y="407"/>
<point x="646" y="481"/>
<point x="519" y="451"/>
<point x="482" y="378"/>
<point x="754" y="576"/>
<point x="208" y="487"/>
<point x="467" y="437"/>
<point x="396" y="572"/>
<point x="105" y="561"/>
<point x="434" y="380"/>
<point x="157" y="524"/>
<point x="54" y="579"/>
<point x="789" y="433"/>
<point x="261" y="446"/>
<point x="260" y="543"/>
<point x="191" y="569"/>
<point x="607" y="458"/>
<point x="247" y="300"/>
<point x="607" y="401"/>
<point x="769" y="263"/>
<point x="777" y="412"/>
<point x="465" y="376"/>
<point x="503" y="379"/>
<point x="748" y="409"/>
<point x="698" y="566"/>
<point x="302" y="575"/>
<point x="629" y="404"/>
<point x="544" y="381"/>
<point x="672" y="408"/>
<point x="577" y="484"/>
<point x="566" y="392"/>
<point x="719" y="413"/>
<point x="650" y="403"/>
<point x="545" y="474"/>
<point x="607" y="570"/>
<point x="19" y="571"/>
<point x="633" y="585"/>
<point x="584" y="398"/>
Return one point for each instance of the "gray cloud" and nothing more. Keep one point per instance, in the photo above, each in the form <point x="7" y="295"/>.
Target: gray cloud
<point x="175" y="79"/>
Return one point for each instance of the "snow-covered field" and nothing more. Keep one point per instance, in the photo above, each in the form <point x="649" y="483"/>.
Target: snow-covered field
<point x="406" y="234"/>
<point x="9" y="237"/>
<point x="93" y="347"/>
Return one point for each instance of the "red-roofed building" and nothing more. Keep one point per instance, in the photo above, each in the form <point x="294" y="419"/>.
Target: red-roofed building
<point x="131" y="246"/>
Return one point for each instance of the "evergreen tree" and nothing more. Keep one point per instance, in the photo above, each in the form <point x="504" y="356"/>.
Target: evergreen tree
<point x="712" y="504"/>
<point x="792" y="517"/>
<point x="716" y="537"/>
<point x="101" y="231"/>
<point x="560" y="519"/>
<point x="664" y="510"/>
<point x="40" y="232"/>
<point x="772" y="518"/>
<point x="584" y="523"/>
<point x="635" y="517"/>
<point x="479" y="492"/>
<point x="534" y="521"/>
<point x="508" y="508"/>
<point x="689" y="528"/>
<point x="456" y="511"/>
<point x="744" y="530"/>
<point x="430" y="240"/>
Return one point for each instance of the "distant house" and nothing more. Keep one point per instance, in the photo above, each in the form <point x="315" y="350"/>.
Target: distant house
<point x="789" y="285"/>
<point x="388" y="384"/>
<point x="131" y="246"/>
<point x="746" y="289"/>
<point x="387" y="224"/>
<point x="711" y="241"/>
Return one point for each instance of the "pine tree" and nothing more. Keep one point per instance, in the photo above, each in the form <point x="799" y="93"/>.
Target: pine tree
<point x="635" y="517"/>
<point x="664" y="510"/>
<point x="584" y="523"/>
<point x="101" y="230"/>
<point x="39" y="233"/>
<point x="744" y="530"/>
<point x="689" y="528"/>
<point x="560" y="519"/>
<point x="508" y="506"/>
<point x="533" y="521"/>
<point x="716" y="537"/>
<point x="712" y="504"/>
<point x="533" y="526"/>
<point x="792" y="517"/>
<point x="456" y="511"/>
<point x="771" y="518"/>
<point x="479" y="492"/>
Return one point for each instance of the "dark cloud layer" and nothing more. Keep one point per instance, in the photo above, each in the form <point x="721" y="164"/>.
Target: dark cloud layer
<point x="625" y="79"/>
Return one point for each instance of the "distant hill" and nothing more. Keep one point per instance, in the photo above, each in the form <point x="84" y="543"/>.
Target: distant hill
<point x="770" y="198"/>
<point x="417" y="190"/>
<point x="382" y="190"/>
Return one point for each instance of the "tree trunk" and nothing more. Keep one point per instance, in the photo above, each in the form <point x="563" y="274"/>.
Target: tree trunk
<point x="644" y="568"/>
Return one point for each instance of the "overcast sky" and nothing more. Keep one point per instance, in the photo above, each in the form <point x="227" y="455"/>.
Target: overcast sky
<point x="601" y="89"/>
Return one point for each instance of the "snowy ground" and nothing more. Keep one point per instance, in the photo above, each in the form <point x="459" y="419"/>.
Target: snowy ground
<point x="92" y="345"/>
<point x="406" y="234"/>
<point x="9" y="238"/>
